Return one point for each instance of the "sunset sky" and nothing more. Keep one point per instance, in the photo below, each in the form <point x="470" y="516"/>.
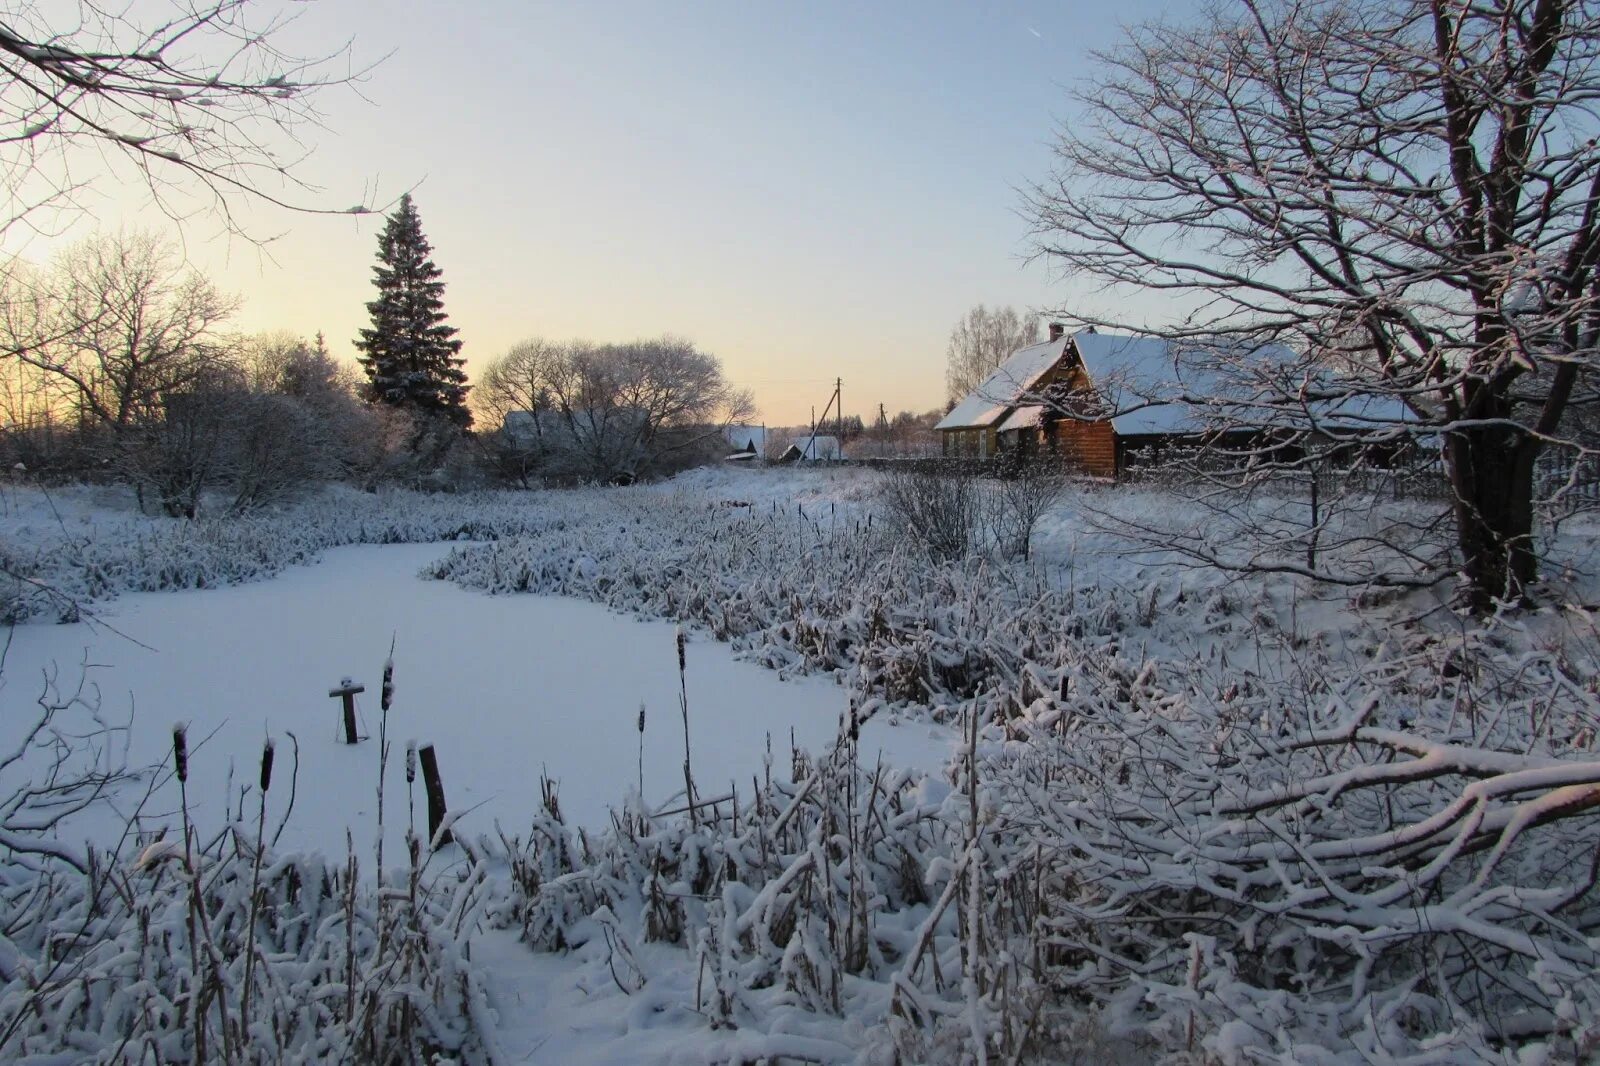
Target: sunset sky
<point x="809" y="191"/>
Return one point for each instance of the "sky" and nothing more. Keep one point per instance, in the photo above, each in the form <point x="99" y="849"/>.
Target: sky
<point x="808" y="191"/>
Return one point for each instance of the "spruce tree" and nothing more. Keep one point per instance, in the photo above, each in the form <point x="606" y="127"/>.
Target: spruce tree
<point x="411" y="357"/>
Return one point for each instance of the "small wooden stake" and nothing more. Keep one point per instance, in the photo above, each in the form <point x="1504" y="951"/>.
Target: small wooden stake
<point x="435" y="789"/>
<point x="348" y="689"/>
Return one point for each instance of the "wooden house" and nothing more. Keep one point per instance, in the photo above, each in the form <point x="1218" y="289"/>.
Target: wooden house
<point x="1102" y="402"/>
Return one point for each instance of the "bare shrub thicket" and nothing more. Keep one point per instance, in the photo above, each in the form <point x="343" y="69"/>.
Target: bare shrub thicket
<point x="1016" y="502"/>
<point x="940" y="510"/>
<point x="953" y="513"/>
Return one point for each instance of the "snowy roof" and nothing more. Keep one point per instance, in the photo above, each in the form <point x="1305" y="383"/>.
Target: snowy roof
<point x="1162" y="387"/>
<point x="1157" y="386"/>
<point x="1146" y="379"/>
<point x="818" y="447"/>
<point x="1023" y="418"/>
<point x="739" y="435"/>
<point x="987" y="403"/>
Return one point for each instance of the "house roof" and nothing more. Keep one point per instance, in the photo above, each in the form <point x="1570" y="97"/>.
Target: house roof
<point x="739" y="434"/>
<point x="1025" y="417"/>
<point x="813" y="447"/>
<point x="998" y="392"/>
<point x="1156" y="386"/>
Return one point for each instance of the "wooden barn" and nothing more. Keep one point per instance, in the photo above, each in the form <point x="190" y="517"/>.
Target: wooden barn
<point x="1098" y="401"/>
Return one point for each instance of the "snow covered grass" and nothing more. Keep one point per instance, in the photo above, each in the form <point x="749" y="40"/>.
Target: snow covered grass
<point x="197" y="944"/>
<point x="1197" y="816"/>
<point x="57" y="561"/>
<point x="1232" y="828"/>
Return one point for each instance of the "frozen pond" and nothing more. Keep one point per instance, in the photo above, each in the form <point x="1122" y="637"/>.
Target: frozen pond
<point x="504" y="687"/>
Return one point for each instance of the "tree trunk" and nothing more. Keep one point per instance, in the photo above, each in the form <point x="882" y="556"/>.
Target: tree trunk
<point x="1491" y="472"/>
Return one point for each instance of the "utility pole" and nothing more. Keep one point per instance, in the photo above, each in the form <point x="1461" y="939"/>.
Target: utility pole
<point x="838" y="396"/>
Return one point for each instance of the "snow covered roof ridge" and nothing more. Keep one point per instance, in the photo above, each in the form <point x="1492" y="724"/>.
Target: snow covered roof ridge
<point x="1005" y="385"/>
<point x="1150" y="385"/>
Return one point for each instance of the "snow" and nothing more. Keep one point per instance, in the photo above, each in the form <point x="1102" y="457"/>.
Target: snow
<point x="1025" y="417"/>
<point x="505" y="687"/>
<point x="1157" y="386"/>
<point x="1001" y="388"/>
<point x="1167" y="743"/>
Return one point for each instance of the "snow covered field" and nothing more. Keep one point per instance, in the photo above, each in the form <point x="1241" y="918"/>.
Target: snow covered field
<point x="1236" y="816"/>
<point x="506" y="688"/>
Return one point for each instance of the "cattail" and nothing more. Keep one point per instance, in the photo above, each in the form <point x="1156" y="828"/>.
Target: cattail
<point x="681" y="641"/>
<point x="641" y="718"/>
<point x="180" y="752"/>
<point x="266" y="765"/>
<point x="387" y="699"/>
<point x="411" y="761"/>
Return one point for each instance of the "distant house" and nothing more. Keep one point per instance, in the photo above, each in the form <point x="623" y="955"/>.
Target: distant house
<point x="746" y="439"/>
<point x="1102" y="400"/>
<point x="525" y="428"/>
<point x="810" y="449"/>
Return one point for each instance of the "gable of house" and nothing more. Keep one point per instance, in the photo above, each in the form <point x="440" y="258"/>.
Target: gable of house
<point x="744" y="438"/>
<point x="812" y="449"/>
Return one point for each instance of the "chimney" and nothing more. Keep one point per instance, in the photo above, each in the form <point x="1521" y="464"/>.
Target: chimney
<point x="1056" y="330"/>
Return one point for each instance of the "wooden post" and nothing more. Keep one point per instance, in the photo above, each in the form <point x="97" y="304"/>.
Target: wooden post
<point x="435" y="790"/>
<point x="347" y="689"/>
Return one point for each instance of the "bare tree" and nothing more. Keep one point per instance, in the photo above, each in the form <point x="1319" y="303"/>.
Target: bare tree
<point x="285" y="364"/>
<point x="116" y="323"/>
<point x="198" y="104"/>
<point x="1407" y="193"/>
<point x="608" y="412"/>
<point x="981" y="341"/>
<point x="125" y="341"/>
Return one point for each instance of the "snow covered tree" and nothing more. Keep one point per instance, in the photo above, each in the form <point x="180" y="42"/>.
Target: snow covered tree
<point x="411" y="357"/>
<point x="1403" y="190"/>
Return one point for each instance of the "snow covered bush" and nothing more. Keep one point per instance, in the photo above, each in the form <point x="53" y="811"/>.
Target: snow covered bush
<point x="206" y="946"/>
<point x="940" y="510"/>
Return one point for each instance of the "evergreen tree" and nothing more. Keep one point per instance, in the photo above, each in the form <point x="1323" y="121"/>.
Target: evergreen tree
<point x="410" y="355"/>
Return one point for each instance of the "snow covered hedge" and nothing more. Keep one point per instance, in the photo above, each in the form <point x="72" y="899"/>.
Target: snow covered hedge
<point x="58" y="568"/>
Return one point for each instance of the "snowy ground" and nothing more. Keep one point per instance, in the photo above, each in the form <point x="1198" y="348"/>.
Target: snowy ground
<point x="1079" y="656"/>
<point x="507" y="688"/>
